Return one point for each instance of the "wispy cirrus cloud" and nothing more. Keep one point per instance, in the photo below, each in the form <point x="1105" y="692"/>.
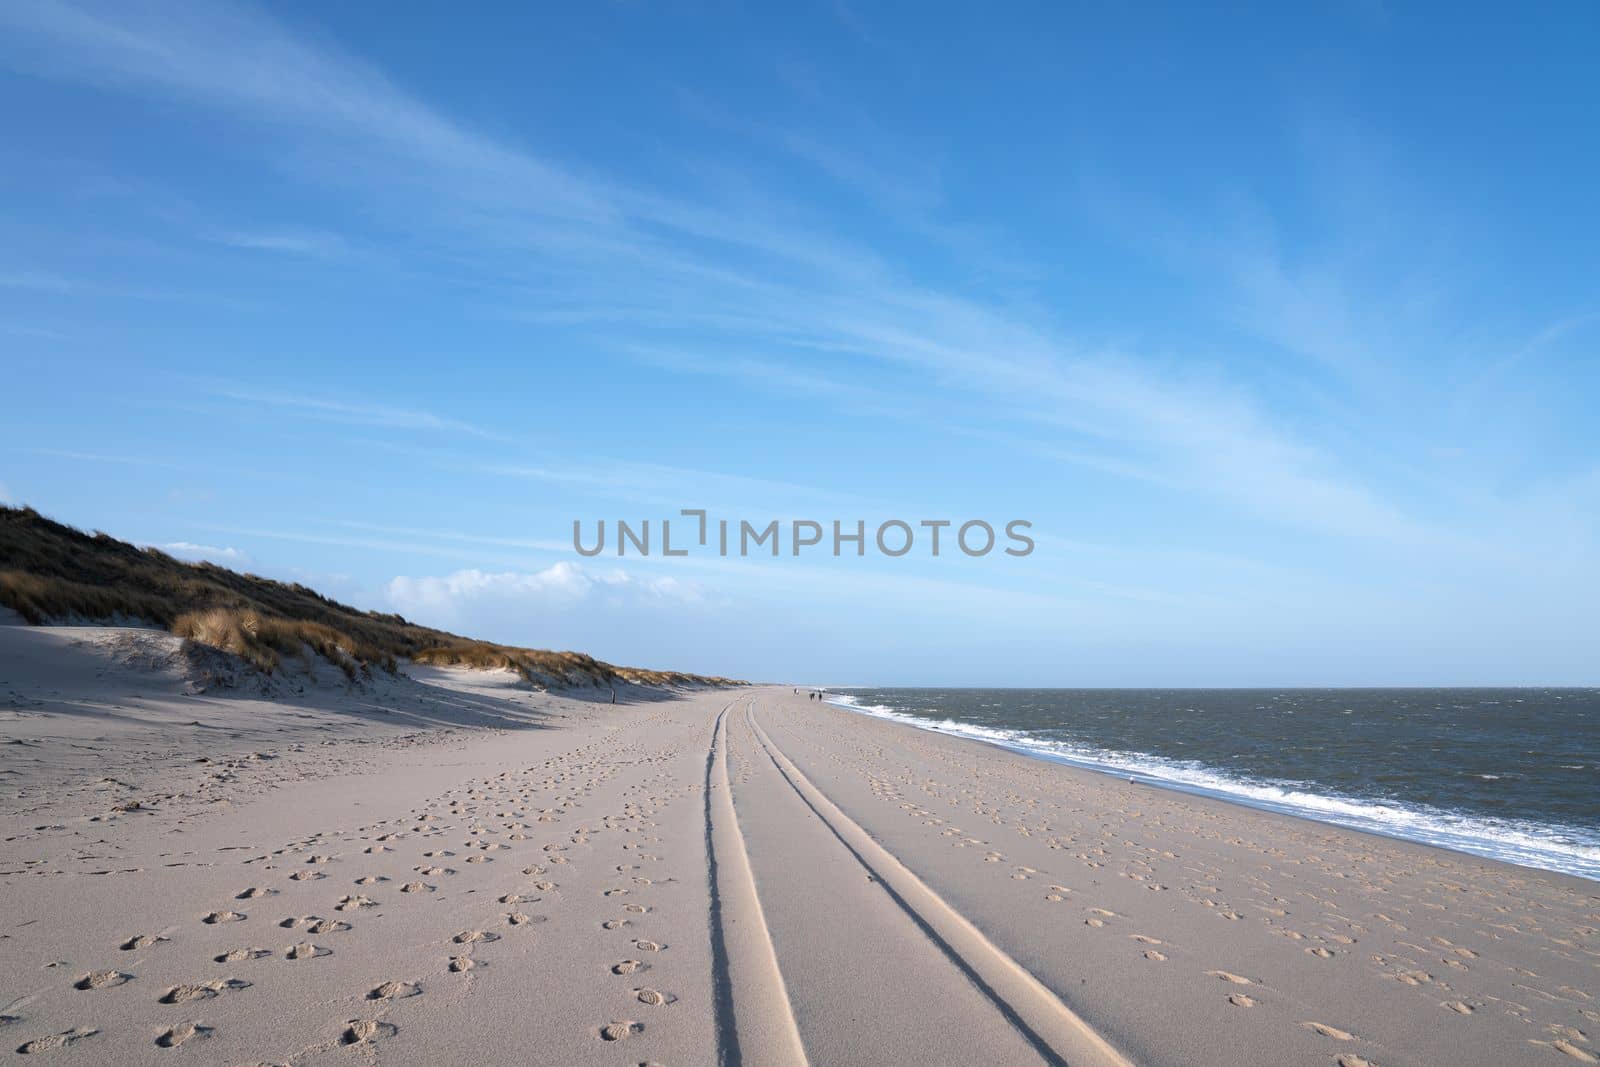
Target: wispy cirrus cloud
<point x="820" y="305"/>
<point x="288" y="240"/>
<point x="233" y="56"/>
<point x="357" y="413"/>
<point x="36" y="281"/>
<point x="119" y="459"/>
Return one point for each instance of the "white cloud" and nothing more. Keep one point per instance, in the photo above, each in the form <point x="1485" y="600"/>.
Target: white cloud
<point x="210" y="553"/>
<point x="562" y="584"/>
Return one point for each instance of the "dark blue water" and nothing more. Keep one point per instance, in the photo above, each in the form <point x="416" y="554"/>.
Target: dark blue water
<point x="1513" y="774"/>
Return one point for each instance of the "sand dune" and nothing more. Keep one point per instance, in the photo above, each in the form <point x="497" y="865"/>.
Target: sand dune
<point x="457" y="869"/>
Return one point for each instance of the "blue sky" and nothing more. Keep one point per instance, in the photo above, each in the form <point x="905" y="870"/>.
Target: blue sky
<point x="1282" y="327"/>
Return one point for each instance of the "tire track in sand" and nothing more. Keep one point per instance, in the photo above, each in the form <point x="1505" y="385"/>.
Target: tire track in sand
<point x="755" y="1024"/>
<point x="1050" y="1025"/>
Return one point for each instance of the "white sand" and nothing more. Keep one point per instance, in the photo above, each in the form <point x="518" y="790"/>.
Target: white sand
<point x="451" y="868"/>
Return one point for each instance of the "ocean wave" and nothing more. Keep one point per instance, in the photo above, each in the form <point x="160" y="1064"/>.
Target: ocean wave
<point x="1551" y="847"/>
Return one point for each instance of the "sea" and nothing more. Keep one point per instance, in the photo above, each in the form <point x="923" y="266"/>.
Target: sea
<point x="1510" y="774"/>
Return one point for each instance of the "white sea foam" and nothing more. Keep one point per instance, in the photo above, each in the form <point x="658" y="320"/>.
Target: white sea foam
<point x="1567" y="849"/>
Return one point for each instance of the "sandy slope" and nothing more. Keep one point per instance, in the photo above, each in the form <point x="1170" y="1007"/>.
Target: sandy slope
<point x="452" y="869"/>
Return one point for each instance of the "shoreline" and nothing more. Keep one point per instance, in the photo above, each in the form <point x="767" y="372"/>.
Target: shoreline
<point x="1429" y="852"/>
<point x="456" y="868"/>
<point x="1434" y="827"/>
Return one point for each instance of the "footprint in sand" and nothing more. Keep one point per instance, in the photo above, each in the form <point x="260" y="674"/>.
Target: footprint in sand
<point x="458" y="964"/>
<point x="653" y="997"/>
<point x="1460" y="1007"/>
<point x="306" y="876"/>
<point x="305" y="950"/>
<point x="360" y="1031"/>
<point x="139" y="941"/>
<point x="1350" y="1059"/>
<point x="55" y="1041"/>
<point x="1152" y="954"/>
<point x="181" y="1033"/>
<point x="183" y="994"/>
<point x="316" y="924"/>
<point x="255" y="892"/>
<point x="1240" y="1000"/>
<point x="224" y="917"/>
<point x="1228" y="976"/>
<point x="648" y="946"/>
<point x="620" y="1031"/>
<point x="416" y="887"/>
<point x="613" y="924"/>
<point x="1320" y="953"/>
<point x="1567" y="1048"/>
<point x="394" y="991"/>
<point x="101" y="980"/>
<point x="626" y="967"/>
<point x="234" y="955"/>
<point x="1328" y="1031"/>
<point x="473" y="937"/>
<point x="354" y="903"/>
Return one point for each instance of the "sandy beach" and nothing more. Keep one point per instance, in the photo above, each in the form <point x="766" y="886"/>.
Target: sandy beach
<point x="843" y="534"/>
<point x="453" y="867"/>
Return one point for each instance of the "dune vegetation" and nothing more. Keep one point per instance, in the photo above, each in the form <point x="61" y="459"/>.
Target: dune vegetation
<point x="53" y="573"/>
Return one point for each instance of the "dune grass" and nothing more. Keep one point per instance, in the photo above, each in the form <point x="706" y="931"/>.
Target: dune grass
<point x="264" y="640"/>
<point x="540" y="667"/>
<point x="50" y="572"/>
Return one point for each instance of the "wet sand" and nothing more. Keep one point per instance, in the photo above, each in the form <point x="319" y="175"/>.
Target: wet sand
<point x="451" y="868"/>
